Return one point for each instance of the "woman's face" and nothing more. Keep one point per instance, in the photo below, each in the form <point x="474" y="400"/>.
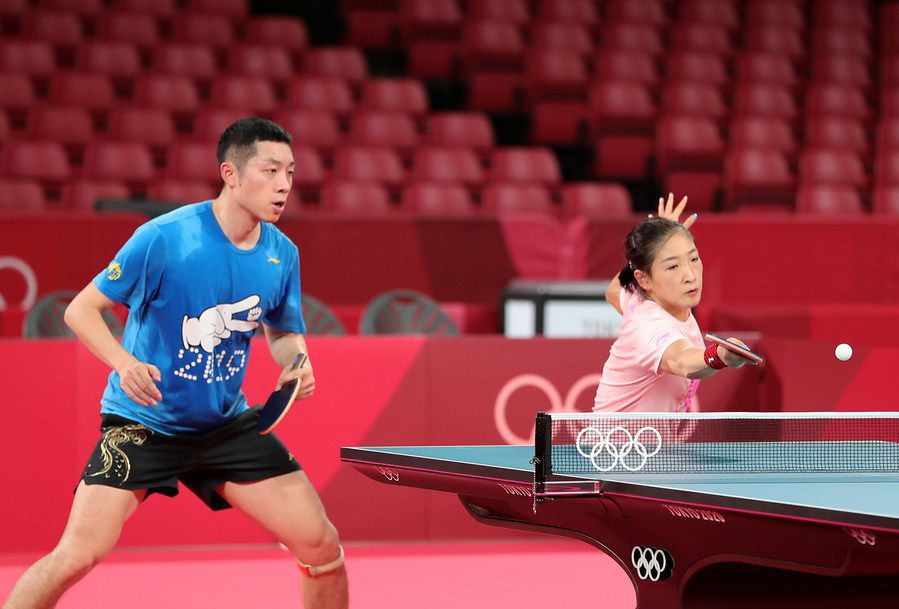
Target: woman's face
<point x="675" y="281"/>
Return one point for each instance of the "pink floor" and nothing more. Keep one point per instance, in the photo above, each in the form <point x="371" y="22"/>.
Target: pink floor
<point x="523" y="575"/>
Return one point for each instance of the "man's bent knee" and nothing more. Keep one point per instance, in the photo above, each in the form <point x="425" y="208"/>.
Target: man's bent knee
<point x="316" y="570"/>
<point x="71" y="565"/>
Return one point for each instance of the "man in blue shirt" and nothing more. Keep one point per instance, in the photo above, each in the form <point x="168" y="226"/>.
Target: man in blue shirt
<point x="198" y="282"/>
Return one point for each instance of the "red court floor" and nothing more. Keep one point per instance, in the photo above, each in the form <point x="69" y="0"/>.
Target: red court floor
<point x="523" y="575"/>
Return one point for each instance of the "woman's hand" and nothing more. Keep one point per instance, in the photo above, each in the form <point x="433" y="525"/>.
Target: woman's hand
<point x="668" y="210"/>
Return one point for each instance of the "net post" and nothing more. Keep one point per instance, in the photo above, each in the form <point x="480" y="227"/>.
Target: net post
<point x="542" y="455"/>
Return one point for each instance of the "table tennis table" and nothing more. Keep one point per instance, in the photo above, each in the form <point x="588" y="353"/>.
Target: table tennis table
<point x="824" y="535"/>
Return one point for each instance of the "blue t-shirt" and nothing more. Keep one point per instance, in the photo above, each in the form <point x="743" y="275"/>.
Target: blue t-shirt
<point x="195" y="302"/>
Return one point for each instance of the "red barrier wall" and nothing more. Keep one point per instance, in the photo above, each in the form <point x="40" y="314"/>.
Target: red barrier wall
<point x="371" y="391"/>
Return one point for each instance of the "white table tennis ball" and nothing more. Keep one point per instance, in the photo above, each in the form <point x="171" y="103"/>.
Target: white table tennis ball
<point x="843" y="352"/>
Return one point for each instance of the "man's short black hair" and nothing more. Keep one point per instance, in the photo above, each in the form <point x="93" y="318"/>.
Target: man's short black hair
<point x="238" y="141"/>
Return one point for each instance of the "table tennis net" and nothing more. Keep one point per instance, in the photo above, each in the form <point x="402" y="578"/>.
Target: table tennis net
<point x="704" y="443"/>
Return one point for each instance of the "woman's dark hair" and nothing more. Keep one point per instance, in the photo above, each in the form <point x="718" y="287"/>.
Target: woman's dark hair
<point x="238" y="141"/>
<point x="641" y="247"/>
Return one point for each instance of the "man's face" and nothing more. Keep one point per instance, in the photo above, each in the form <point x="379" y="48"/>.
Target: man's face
<point x="263" y="183"/>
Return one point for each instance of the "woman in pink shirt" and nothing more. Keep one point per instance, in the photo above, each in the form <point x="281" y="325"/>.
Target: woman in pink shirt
<point x="659" y="357"/>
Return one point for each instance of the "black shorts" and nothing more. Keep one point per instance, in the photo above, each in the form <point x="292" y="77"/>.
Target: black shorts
<point x="134" y="457"/>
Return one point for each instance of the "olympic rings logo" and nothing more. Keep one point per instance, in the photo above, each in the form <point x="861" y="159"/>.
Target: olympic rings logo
<point x="863" y="537"/>
<point x="652" y="564"/>
<point x="17" y="264"/>
<point x="391" y="474"/>
<point x="556" y="403"/>
<point x="615" y="446"/>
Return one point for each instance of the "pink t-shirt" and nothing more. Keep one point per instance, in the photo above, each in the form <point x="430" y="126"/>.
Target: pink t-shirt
<point x="631" y="379"/>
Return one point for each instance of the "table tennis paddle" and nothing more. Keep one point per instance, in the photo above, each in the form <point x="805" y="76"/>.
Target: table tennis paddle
<point x="754" y="358"/>
<point x="279" y="402"/>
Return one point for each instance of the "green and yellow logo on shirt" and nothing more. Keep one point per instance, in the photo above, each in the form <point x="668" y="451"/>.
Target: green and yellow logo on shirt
<point x="115" y="270"/>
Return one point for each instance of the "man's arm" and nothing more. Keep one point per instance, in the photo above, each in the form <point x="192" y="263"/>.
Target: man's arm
<point x="683" y="359"/>
<point x="84" y="316"/>
<point x="284" y="347"/>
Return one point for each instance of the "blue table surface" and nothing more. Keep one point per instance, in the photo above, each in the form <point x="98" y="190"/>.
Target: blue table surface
<point x="872" y="494"/>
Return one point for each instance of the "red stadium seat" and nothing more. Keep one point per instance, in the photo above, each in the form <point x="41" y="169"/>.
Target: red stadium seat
<point x="468" y="129"/>
<point x="492" y="44"/>
<point x="56" y="28"/>
<point x="636" y="11"/>
<point x="555" y="75"/>
<point x="693" y="99"/>
<point x="621" y="116"/>
<point x="639" y="37"/>
<point x="213" y="29"/>
<point x="610" y="64"/>
<point x="837" y="132"/>
<point x="841" y="69"/>
<point x="837" y="100"/>
<point x="436" y="18"/>
<point x="21" y="195"/>
<point x="369" y="164"/>
<point x="30" y="57"/>
<point x="516" y="199"/>
<point x="688" y="66"/>
<point x="140" y="28"/>
<point x="577" y="11"/>
<point x="157" y="8"/>
<point x="433" y="59"/>
<point x="832" y="166"/>
<point x="15" y="90"/>
<point x="558" y="122"/>
<point x="763" y="132"/>
<point x="92" y="91"/>
<point x="777" y="39"/>
<point x="689" y="157"/>
<point x="328" y="93"/>
<point x="193" y="160"/>
<point x="828" y="200"/>
<point x="4" y="127"/>
<point x="260" y="60"/>
<point x="889" y="71"/>
<point x="886" y="200"/>
<point x="42" y="161"/>
<point x="447" y="164"/>
<point x="173" y="93"/>
<point x="719" y="12"/>
<point x="511" y="10"/>
<point x="63" y="124"/>
<point x="886" y="168"/>
<point x="150" y="126"/>
<point x="185" y="59"/>
<point x="317" y="128"/>
<point x="766" y="68"/>
<point x="776" y="12"/>
<point x="399" y="94"/>
<point x="82" y="7"/>
<point x="341" y="62"/>
<point x="764" y="100"/>
<point x="83" y="194"/>
<point x="253" y="93"/>
<point x="595" y="200"/>
<point x="211" y="122"/>
<point x="497" y="92"/>
<point x="562" y="36"/>
<point x="366" y="198"/>
<point x="753" y="175"/>
<point x="184" y="191"/>
<point x="286" y="32"/>
<point x="371" y="28"/>
<point x="309" y="171"/>
<point x="117" y="59"/>
<point x="374" y="128"/>
<point x="838" y="41"/>
<point x="236" y="9"/>
<point x="537" y="165"/>
<point x="889" y="101"/>
<point x="437" y="199"/>
<point x="123" y="161"/>
<point x="842" y="14"/>
<point x="702" y="38"/>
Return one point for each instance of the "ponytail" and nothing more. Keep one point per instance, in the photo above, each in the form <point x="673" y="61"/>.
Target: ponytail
<point x="626" y="278"/>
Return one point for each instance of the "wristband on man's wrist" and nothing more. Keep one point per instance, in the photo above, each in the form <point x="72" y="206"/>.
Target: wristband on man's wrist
<point x="711" y="358"/>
